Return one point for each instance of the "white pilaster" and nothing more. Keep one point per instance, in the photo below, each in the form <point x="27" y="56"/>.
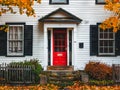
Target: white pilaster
<point x="74" y="51"/>
<point x="45" y="48"/>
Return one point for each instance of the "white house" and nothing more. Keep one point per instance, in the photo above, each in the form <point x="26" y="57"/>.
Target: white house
<point x="63" y="33"/>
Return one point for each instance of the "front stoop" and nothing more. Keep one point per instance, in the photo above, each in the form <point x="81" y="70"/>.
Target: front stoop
<point x="57" y="77"/>
<point x="62" y="75"/>
<point x="59" y="74"/>
<point x="49" y="68"/>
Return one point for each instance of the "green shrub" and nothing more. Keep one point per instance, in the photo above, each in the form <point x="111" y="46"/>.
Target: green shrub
<point x="98" y="71"/>
<point x="37" y="69"/>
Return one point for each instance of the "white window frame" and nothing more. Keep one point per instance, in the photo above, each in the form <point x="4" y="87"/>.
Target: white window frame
<point x="15" y="54"/>
<point x="59" y="2"/>
<point x="99" y="53"/>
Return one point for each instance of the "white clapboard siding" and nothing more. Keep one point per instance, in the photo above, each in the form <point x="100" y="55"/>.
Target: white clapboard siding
<point x="86" y="10"/>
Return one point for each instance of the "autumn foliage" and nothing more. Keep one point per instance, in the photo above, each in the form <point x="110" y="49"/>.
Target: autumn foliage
<point x="37" y="87"/>
<point x="24" y="6"/>
<point x="114" y="20"/>
<point x="76" y="86"/>
<point x="98" y="71"/>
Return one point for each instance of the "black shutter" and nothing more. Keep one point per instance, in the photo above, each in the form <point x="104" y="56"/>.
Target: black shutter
<point x="93" y="40"/>
<point x="117" y="43"/>
<point x="28" y="40"/>
<point x="3" y="42"/>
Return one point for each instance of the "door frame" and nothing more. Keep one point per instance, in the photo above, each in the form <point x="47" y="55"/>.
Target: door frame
<point x="69" y="26"/>
<point x="68" y="29"/>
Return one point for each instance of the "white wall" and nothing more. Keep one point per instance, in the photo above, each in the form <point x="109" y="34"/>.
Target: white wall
<point x="87" y="10"/>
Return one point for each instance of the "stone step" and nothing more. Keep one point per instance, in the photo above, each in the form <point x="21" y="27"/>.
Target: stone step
<point x="62" y="83"/>
<point x="62" y="73"/>
<point x="60" y="76"/>
<point x="60" y="68"/>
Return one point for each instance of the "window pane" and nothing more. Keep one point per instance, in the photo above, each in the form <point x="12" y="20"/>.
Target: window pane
<point x="63" y="43"/>
<point x="10" y="33"/>
<point x="59" y="1"/>
<point x="111" y="35"/>
<point x="19" y="46"/>
<point x="101" y="43"/>
<point x="101" y="30"/>
<point x="16" y="34"/>
<point x="106" y="42"/>
<point x="111" y="50"/>
<point x="110" y="30"/>
<point x="106" y="30"/>
<point x="10" y="46"/>
<point x="16" y="46"/>
<point x="105" y="35"/>
<point x="15" y="43"/>
<point x="101" y="50"/>
<point x="20" y="32"/>
<point x="100" y="1"/>
<point x="57" y="49"/>
<point x="105" y="50"/>
<point x="55" y="42"/>
<point x="110" y="43"/>
<point x="101" y="35"/>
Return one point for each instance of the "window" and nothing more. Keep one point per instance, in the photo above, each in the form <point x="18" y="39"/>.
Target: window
<point x="106" y="42"/>
<point x="59" y="1"/>
<point x="100" y="1"/>
<point x="15" y="40"/>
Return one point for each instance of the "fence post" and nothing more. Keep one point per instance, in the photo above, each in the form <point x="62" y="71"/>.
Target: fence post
<point x="113" y="70"/>
<point x="43" y="79"/>
<point x="116" y="72"/>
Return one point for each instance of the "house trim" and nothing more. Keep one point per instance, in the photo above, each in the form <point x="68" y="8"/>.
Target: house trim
<point x="71" y="19"/>
<point x="48" y="26"/>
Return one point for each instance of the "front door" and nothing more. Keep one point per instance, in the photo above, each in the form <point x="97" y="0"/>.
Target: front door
<point x="59" y="47"/>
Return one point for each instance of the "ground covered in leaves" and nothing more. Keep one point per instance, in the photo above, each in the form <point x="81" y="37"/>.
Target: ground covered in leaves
<point x="54" y="87"/>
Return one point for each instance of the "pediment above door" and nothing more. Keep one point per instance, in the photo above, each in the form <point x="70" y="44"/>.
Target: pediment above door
<point x="60" y="15"/>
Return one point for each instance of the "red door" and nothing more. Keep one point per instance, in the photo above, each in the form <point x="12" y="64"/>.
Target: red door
<point x="59" y="47"/>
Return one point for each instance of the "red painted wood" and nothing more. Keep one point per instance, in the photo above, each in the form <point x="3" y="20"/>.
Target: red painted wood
<point x="59" y="47"/>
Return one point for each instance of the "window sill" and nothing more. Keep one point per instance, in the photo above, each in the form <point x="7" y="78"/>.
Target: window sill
<point x="106" y="55"/>
<point x="14" y="55"/>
